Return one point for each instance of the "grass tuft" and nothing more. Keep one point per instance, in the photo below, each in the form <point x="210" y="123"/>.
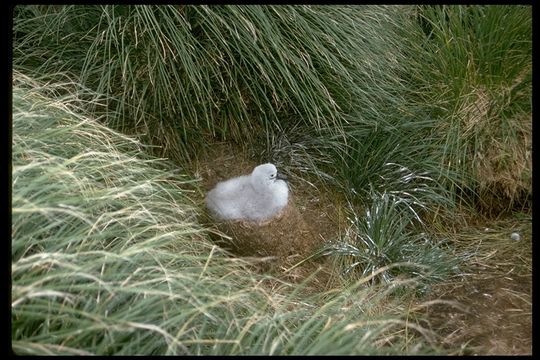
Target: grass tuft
<point x="476" y="75"/>
<point x="385" y="244"/>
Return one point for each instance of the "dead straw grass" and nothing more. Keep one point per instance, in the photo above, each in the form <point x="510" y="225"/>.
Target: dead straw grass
<point x="493" y="292"/>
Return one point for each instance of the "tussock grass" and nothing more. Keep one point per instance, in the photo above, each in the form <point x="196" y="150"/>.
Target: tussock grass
<point x="400" y="159"/>
<point x="100" y="233"/>
<point x="235" y="72"/>
<point x="387" y="236"/>
<point x="442" y="89"/>
<point x="475" y="73"/>
<point x="107" y="258"/>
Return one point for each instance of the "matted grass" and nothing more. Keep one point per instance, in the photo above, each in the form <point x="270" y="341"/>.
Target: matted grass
<point x="494" y="289"/>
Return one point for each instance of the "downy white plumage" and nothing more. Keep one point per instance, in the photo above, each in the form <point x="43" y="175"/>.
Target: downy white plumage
<point x="256" y="197"/>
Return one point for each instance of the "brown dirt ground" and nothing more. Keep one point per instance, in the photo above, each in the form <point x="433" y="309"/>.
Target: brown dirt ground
<point x="494" y="297"/>
<point x="496" y="319"/>
<point x="495" y="293"/>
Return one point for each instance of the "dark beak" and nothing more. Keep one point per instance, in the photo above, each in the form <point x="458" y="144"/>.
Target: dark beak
<point x="281" y="176"/>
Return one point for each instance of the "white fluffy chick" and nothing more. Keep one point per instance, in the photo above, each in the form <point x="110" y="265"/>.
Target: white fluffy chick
<point x="257" y="197"/>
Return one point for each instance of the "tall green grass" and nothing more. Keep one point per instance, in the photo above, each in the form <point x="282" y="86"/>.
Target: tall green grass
<point x="107" y="257"/>
<point x="474" y="70"/>
<point x="438" y="89"/>
<point x="466" y="131"/>
<point x="235" y="72"/>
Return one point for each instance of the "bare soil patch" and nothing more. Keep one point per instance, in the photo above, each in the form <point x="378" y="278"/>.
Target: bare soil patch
<point x="495" y="292"/>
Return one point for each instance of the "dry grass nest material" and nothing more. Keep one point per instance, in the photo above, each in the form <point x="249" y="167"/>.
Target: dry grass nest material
<point x="311" y="217"/>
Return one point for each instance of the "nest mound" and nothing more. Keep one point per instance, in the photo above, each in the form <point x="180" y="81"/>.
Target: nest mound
<point x="311" y="217"/>
<point x="285" y="236"/>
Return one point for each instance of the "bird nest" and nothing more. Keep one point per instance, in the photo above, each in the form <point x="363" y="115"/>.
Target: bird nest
<point x="311" y="217"/>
